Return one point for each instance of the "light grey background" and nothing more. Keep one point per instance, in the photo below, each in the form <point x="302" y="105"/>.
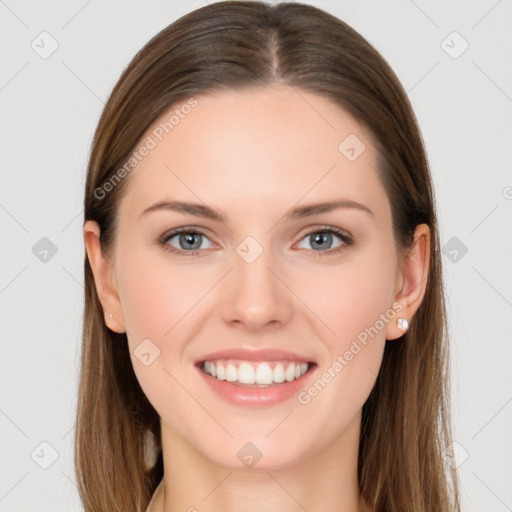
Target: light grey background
<point x="49" y="108"/>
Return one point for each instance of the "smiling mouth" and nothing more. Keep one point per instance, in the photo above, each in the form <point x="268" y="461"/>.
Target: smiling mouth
<point x="255" y="374"/>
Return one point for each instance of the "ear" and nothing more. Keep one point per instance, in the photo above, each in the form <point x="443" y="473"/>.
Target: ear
<point x="411" y="280"/>
<point x="104" y="278"/>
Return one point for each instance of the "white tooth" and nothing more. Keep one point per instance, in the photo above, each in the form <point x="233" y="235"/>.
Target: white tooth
<point x="290" y="372"/>
<point x="278" y="373"/>
<point x="246" y="374"/>
<point x="231" y="373"/>
<point x="221" y="372"/>
<point x="264" y="374"/>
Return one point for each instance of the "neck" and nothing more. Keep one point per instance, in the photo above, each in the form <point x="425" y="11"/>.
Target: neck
<point x="323" y="481"/>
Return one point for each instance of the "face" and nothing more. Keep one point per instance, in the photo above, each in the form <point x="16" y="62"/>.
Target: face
<point x="318" y="283"/>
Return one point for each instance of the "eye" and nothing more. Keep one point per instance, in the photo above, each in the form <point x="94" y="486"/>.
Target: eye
<point x="322" y="239"/>
<point x="188" y="241"/>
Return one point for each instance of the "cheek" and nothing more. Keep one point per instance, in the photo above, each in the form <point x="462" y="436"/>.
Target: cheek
<point x="355" y="299"/>
<point x="157" y="307"/>
<point x="155" y="296"/>
<point x="161" y="303"/>
<point x="350" y="297"/>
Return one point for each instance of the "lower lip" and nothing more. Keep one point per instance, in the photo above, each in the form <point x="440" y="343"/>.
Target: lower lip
<point x="255" y="396"/>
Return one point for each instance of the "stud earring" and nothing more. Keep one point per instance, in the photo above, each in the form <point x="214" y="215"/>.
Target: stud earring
<point x="110" y="315"/>
<point x="403" y="324"/>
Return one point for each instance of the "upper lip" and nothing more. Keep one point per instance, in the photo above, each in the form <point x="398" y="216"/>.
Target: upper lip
<point x="262" y="354"/>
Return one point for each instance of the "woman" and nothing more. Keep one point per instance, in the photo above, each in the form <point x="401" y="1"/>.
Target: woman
<point x="264" y="319"/>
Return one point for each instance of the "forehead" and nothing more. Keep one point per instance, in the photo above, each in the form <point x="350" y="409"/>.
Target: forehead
<point x="255" y="147"/>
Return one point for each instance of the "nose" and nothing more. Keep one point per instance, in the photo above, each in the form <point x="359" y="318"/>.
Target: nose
<point x="256" y="296"/>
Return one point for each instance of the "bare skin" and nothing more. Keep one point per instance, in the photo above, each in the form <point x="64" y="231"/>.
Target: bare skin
<point x="253" y="156"/>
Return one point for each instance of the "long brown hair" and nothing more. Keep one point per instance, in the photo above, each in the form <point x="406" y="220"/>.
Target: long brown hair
<point x="236" y="45"/>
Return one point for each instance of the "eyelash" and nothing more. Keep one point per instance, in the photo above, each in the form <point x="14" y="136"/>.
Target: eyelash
<point x="346" y="239"/>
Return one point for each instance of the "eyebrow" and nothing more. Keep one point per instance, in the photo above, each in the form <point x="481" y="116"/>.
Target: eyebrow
<point x="201" y="210"/>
